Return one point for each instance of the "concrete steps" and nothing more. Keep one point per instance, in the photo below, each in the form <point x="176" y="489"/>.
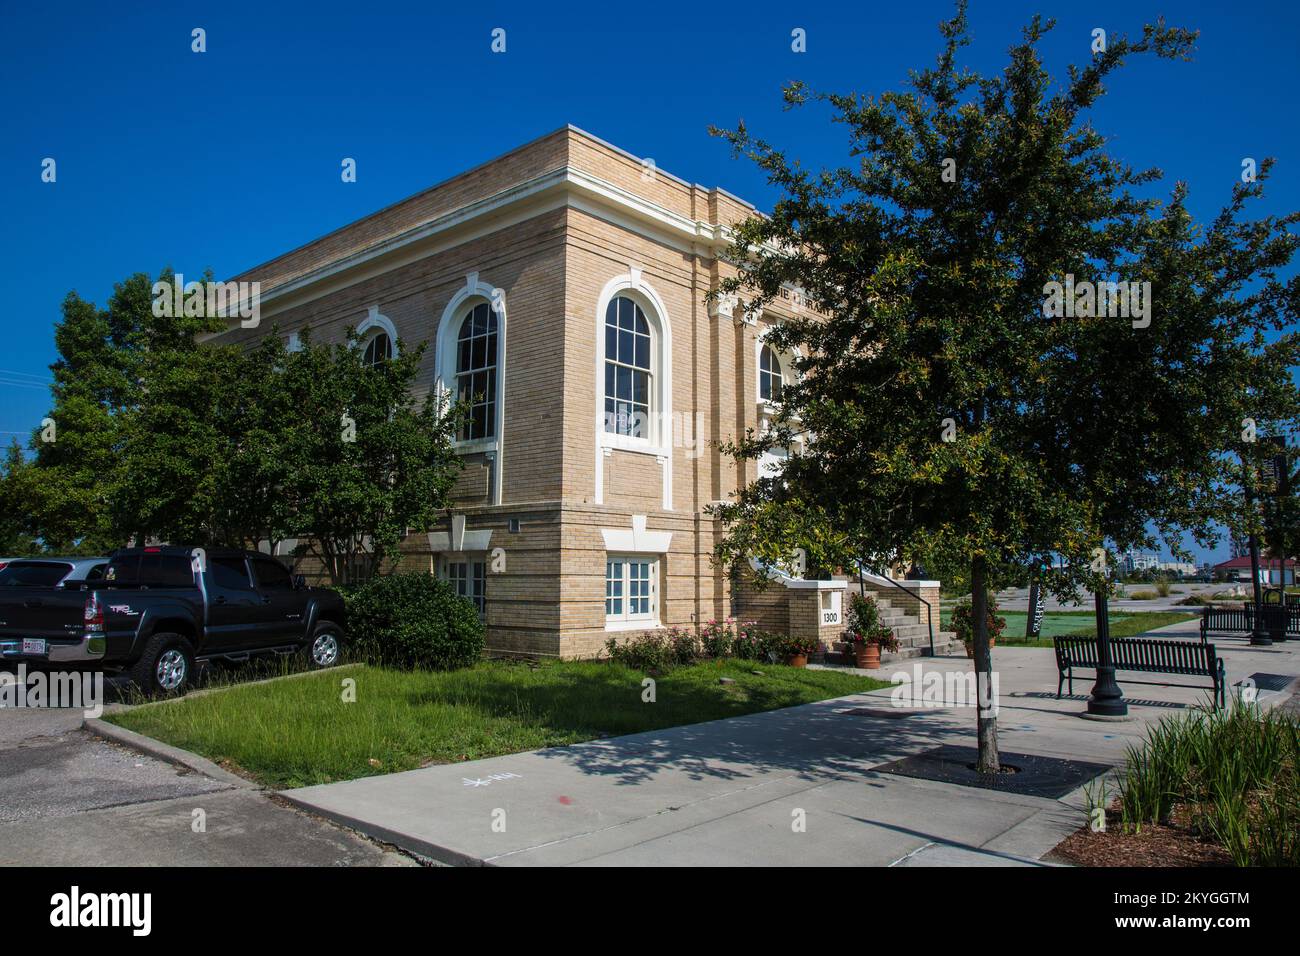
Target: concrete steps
<point x="945" y="645"/>
<point x="913" y="635"/>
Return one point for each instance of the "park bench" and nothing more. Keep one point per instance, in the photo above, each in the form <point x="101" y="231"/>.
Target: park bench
<point x="1148" y="655"/>
<point x="1240" y="620"/>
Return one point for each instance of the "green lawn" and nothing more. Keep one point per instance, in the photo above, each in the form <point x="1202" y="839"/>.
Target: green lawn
<point x="297" y="732"/>
<point x="1082" y="624"/>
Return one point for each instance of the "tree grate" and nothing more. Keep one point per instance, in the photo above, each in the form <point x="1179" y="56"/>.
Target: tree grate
<point x="1269" y="681"/>
<point x="1034" y="776"/>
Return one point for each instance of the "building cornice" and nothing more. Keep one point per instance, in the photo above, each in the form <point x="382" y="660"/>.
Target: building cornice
<point x="558" y="188"/>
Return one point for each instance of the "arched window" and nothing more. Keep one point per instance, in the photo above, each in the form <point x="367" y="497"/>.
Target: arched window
<point x="770" y="380"/>
<point x="379" y="348"/>
<point x="476" y="372"/>
<point x="628" y="373"/>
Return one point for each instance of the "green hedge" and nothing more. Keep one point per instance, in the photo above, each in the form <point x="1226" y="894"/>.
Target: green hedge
<point x="413" y="620"/>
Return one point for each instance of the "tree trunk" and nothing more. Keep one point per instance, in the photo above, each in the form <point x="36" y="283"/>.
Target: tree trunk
<point x="986" y="722"/>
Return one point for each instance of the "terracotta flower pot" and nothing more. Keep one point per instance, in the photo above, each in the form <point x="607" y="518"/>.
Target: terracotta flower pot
<point x="868" y="656"/>
<point x="798" y="660"/>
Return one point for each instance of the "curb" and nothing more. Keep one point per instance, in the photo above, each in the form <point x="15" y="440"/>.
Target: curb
<point x="165" y="752"/>
<point x="373" y="831"/>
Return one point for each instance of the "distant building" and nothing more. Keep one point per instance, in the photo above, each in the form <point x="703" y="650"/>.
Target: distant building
<point x="1140" y="561"/>
<point x="1271" y="570"/>
<point x="1178" y="567"/>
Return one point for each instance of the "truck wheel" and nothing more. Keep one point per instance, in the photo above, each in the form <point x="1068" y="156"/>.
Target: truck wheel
<point x="164" y="668"/>
<point x="323" y="651"/>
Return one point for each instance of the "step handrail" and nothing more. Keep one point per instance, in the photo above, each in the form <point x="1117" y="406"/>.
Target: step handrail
<point x="863" y="573"/>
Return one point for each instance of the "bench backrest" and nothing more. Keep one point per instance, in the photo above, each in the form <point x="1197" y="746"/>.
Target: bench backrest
<point x="1242" y="618"/>
<point x="1225" y="619"/>
<point x="1157" y="655"/>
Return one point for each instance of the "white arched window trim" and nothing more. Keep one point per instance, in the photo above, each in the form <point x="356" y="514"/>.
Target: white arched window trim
<point x="372" y="326"/>
<point x="660" y="442"/>
<point x="473" y="293"/>
<point x="787" y="360"/>
<point x="772" y="461"/>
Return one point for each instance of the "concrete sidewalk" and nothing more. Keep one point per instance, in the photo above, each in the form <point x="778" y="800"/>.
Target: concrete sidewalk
<point x="735" y="792"/>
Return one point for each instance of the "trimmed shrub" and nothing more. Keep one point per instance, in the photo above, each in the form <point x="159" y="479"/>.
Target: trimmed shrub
<point x="663" y="650"/>
<point x="413" y="620"/>
<point x="647" y="651"/>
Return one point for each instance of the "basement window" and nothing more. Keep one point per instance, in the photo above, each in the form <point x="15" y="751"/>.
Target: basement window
<point x="469" y="580"/>
<point x="631" y="592"/>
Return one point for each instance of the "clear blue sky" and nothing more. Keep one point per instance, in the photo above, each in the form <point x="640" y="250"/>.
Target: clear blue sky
<point x="227" y="158"/>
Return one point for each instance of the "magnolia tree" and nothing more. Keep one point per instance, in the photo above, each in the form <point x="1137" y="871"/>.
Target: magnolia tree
<point x="1011" y="356"/>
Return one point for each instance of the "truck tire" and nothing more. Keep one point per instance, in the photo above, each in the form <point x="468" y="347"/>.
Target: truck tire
<point x="165" y="667"/>
<point x="325" y="646"/>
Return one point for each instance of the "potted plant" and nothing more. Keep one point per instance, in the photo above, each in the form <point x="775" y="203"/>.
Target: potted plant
<point x="796" y="650"/>
<point x="867" y="635"/>
<point x="963" y="623"/>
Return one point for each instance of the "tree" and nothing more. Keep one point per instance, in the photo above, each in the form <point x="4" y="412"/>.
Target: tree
<point x="75" y="455"/>
<point x="1280" y="504"/>
<point x="1160" y="420"/>
<point x="942" y="395"/>
<point x="163" y="436"/>
<point x="15" y="518"/>
<point x="365" y="460"/>
<point x="84" y="460"/>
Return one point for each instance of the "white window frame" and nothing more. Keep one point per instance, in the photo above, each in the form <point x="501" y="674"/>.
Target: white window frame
<point x="458" y="327"/>
<point x="468" y="562"/>
<point x="789" y="374"/>
<point x="623" y="619"/>
<point x="649" y="434"/>
<point x="473" y="292"/>
<point x="371" y="339"/>
<point x="372" y="327"/>
<point x="777" y="377"/>
<point x="659" y="442"/>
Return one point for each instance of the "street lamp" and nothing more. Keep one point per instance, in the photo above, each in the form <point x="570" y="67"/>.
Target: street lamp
<point x="1107" y="699"/>
<point x="1257" y="635"/>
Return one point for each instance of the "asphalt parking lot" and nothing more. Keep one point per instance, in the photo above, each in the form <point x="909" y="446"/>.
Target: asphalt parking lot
<point x="1017" y="599"/>
<point x="68" y="798"/>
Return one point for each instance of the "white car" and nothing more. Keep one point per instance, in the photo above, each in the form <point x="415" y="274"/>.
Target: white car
<point x="68" y="573"/>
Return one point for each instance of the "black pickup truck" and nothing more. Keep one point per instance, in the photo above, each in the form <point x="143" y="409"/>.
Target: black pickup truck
<point x="158" y="610"/>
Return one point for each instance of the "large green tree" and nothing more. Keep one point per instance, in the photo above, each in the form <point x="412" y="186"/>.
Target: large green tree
<point x="945" y="408"/>
<point x="16" y="537"/>
<point x="159" y="434"/>
<point x="366" y="460"/>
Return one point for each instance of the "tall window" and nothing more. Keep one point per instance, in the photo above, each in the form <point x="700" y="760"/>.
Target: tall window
<point x="627" y="369"/>
<point x="630" y="589"/>
<point x="476" y="372"/>
<point x="469" y="580"/>
<point x="770" y="380"/>
<point x="378" y="349"/>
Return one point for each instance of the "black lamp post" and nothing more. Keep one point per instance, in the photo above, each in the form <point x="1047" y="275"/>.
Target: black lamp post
<point x="1107" y="699"/>
<point x="1258" y="636"/>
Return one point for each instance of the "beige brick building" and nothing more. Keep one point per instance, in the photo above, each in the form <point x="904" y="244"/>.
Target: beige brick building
<point x="564" y="284"/>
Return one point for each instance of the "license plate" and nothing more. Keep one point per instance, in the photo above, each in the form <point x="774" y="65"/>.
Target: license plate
<point x="33" y="646"/>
